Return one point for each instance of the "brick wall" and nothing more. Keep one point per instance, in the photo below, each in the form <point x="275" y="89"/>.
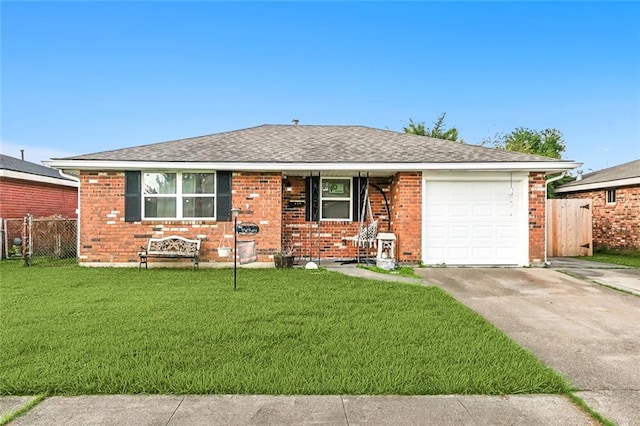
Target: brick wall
<point x="106" y="237"/>
<point x="406" y="214"/>
<point x="259" y="197"/>
<point x="19" y="197"/>
<point x="537" y="217"/>
<point x="615" y="226"/>
<point x="325" y="239"/>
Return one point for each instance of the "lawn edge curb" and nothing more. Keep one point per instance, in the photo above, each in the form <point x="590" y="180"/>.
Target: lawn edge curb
<point x="22" y="410"/>
<point x="587" y="409"/>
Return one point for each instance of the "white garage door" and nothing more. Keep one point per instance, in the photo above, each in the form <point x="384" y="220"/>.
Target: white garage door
<point x="474" y="223"/>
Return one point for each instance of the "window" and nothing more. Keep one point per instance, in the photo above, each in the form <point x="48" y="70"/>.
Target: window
<point x="611" y="196"/>
<point x="178" y="195"/>
<point x="335" y="199"/>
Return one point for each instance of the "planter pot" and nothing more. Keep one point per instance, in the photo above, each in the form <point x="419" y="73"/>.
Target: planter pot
<point x="283" y="261"/>
<point x="224" y="251"/>
<point x="288" y="261"/>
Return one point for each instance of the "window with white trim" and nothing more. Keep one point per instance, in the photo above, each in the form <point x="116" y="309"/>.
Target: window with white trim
<point x="611" y="196"/>
<point x="179" y="195"/>
<point x="335" y="198"/>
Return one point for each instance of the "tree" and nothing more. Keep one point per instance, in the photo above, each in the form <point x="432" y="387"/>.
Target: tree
<point x="438" y="131"/>
<point x="546" y="143"/>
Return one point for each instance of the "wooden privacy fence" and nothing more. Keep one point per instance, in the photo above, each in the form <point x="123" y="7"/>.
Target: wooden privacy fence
<point x="569" y="227"/>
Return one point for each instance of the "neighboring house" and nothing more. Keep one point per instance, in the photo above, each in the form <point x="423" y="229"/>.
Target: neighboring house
<point x="446" y="202"/>
<point x="29" y="188"/>
<point x="615" y="193"/>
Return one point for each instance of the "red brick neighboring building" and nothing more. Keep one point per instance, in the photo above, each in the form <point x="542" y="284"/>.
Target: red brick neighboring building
<point x="615" y="193"/>
<point x="29" y="188"/>
<point x="446" y="202"/>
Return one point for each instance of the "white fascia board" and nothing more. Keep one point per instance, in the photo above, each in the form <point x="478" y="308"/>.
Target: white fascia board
<point x="457" y="175"/>
<point x="37" y="178"/>
<point x="244" y="166"/>
<point x="601" y="185"/>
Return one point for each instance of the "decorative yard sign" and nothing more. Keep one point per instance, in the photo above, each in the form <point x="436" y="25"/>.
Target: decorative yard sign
<point x="247" y="228"/>
<point x="247" y="252"/>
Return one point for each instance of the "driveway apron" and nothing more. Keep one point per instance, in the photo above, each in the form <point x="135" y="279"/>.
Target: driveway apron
<point x="588" y="333"/>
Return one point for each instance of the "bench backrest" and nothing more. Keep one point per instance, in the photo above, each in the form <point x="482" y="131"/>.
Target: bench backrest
<point x="173" y="245"/>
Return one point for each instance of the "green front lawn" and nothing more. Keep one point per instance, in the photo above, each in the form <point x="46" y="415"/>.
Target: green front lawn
<point x="617" y="257"/>
<point x="73" y="330"/>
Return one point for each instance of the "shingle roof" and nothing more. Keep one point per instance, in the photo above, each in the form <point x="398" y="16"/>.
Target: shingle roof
<point x="623" y="171"/>
<point x="17" y="165"/>
<point x="312" y="144"/>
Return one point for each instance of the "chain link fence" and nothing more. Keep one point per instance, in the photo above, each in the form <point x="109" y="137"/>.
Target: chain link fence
<point x="40" y="240"/>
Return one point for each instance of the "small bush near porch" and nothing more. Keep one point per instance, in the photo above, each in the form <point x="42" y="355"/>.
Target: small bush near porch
<point x="73" y="330"/>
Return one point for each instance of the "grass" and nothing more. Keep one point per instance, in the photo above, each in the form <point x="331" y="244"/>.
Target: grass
<point x="617" y="257"/>
<point x="73" y="331"/>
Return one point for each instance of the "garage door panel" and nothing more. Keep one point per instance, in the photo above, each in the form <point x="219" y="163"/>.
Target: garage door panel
<point x="506" y="231"/>
<point x="485" y="210"/>
<point x="436" y="253"/>
<point x="458" y="252"/>
<point x="459" y="232"/>
<point x="436" y="232"/>
<point x="439" y="210"/>
<point x="482" y="231"/>
<point x="459" y="211"/>
<point x="481" y="224"/>
<point x="504" y="211"/>
<point x="503" y="253"/>
<point x="482" y="253"/>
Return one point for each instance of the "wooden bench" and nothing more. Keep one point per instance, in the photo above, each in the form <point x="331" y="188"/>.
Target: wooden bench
<point x="173" y="247"/>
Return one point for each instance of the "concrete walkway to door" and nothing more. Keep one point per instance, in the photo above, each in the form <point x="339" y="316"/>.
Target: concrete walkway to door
<point x="588" y="333"/>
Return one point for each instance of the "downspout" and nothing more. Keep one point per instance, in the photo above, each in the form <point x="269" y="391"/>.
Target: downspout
<point x="77" y="180"/>
<point x="546" y="213"/>
<point x="560" y="176"/>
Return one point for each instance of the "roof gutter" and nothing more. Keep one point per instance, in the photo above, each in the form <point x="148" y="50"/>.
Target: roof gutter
<point x="599" y="185"/>
<point x="37" y="178"/>
<point x="547" y="166"/>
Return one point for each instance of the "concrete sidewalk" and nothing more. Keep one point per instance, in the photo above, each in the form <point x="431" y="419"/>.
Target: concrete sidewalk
<point x="620" y="277"/>
<point x="301" y="410"/>
<point x="354" y="271"/>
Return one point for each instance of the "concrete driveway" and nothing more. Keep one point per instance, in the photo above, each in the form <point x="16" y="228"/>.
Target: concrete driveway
<point x="588" y="333"/>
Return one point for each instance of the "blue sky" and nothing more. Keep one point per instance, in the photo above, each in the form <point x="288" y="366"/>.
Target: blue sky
<point x="81" y="77"/>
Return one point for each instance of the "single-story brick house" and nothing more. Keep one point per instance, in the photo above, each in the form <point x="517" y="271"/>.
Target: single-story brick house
<point x="30" y="188"/>
<point x="615" y="195"/>
<point x="446" y="202"/>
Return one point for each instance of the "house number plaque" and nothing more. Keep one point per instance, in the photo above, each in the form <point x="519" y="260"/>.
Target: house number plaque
<point x="247" y="228"/>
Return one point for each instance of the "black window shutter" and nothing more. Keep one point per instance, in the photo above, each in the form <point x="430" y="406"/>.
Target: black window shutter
<point x="132" y="196"/>
<point x="223" y="196"/>
<point x="312" y="198"/>
<point x="359" y="190"/>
